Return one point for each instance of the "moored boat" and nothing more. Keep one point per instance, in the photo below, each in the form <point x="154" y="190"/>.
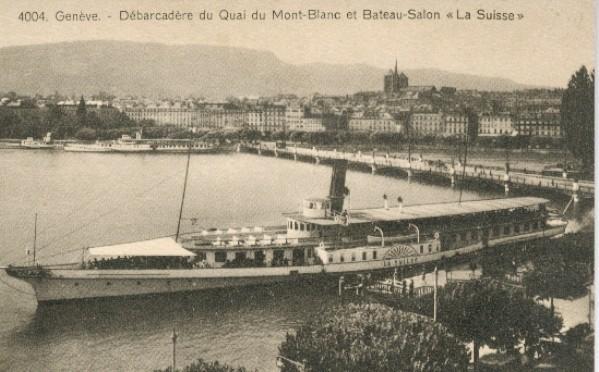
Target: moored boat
<point x="322" y="240"/>
<point x="128" y="144"/>
<point x="98" y="146"/>
<point x="44" y="144"/>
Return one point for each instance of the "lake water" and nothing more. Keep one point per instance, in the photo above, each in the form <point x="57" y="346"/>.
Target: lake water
<point x="87" y="199"/>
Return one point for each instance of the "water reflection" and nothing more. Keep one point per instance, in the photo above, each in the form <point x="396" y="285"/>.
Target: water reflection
<point x="246" y="323"/>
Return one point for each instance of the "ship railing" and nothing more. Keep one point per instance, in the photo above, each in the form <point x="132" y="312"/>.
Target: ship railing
<point x="262" y="243"/>
<point x="399" y="289"/>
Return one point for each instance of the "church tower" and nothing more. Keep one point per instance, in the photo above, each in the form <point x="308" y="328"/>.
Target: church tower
<point x="394" y="81"/>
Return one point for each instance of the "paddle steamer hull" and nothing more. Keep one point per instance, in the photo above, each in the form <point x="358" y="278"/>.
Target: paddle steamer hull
<point x="61" y="285"/>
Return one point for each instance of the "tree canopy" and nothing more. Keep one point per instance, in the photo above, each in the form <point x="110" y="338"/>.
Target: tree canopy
<point x="486" y="313"/>
<point x="202" y="366"/>
<point x="373" y="337"/>
<point x="577" y="116"/>
<point x="107" y="123"/>
<point x="555" y="277"/>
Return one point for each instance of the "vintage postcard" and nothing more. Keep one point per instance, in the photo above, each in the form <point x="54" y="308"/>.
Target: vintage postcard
<point x="192" y="185"/>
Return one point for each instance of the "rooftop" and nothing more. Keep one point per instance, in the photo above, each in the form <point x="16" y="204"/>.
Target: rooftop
<point x="424" y="211"/>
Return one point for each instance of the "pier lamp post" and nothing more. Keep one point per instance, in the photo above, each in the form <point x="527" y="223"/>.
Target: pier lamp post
<point x="376" y="228"/>
<point x="435" y="295"/>
<point x="417" y="231"/>
<point x="174" y="339"/>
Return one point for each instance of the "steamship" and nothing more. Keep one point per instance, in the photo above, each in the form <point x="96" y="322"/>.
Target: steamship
<point x="128" y="144"/>
<point x="322" y="240"/>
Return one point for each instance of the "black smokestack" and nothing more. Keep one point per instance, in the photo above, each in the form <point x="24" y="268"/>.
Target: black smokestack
<point x="337" y="189"/>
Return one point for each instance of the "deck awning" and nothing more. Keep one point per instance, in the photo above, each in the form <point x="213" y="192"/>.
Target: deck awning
<point x="161" y="247"/>
<point x="426" y="211"/>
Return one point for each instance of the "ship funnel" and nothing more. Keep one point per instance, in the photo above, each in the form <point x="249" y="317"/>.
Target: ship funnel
<point x="337" y="189"/>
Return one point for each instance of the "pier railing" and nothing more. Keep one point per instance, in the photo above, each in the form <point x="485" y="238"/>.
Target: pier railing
<point x="397" y="290"/>
<point x="438" y="168"/>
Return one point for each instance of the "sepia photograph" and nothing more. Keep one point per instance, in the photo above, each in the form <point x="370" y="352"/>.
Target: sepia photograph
<point x="273" y="185"/>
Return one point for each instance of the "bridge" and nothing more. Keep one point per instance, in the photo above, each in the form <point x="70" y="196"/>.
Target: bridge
<point x="576" y="189"/>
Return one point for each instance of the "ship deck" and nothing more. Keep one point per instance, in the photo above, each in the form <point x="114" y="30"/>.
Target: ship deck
<point x="426" y="211"/>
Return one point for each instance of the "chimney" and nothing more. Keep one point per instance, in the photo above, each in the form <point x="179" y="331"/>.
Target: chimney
<point x="337" y="188"/>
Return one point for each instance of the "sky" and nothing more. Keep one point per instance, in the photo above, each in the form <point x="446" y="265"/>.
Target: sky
<point x="551" y="41"/>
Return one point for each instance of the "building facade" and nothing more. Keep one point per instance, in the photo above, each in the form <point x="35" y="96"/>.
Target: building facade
<point x="455" y="124"/>
<point x="495" y="124"/>
<point x="427" y="124"/>
<point x="545" y="123"/>
<point x="267" y="118"/>
<point x="375" y="122"/>
<point x="179" y="117"/>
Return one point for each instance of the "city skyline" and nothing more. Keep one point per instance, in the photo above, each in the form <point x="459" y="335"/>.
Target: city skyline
<point x="543" y="49"/>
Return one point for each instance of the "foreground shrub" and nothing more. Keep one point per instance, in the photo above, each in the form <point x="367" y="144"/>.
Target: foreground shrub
<point x="202" y="366"/>
<point x="373" y="337"/>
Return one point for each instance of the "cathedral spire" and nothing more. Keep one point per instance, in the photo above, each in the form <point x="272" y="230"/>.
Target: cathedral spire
<point x="395" y="66"/>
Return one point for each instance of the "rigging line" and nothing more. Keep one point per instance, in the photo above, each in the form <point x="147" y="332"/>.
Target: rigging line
<point x="105" y="214"/>
<point x="185" y="188"/>
<point x="464" y="167"/>
<point x="79" y="248"/>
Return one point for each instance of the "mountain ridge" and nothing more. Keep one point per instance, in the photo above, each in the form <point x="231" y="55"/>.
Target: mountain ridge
<point x="160" y="70"/>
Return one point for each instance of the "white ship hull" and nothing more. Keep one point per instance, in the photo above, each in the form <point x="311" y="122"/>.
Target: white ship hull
<point x="39" y="146"/>
<point x="84" y="148"/>
<point x="61" y="285"/>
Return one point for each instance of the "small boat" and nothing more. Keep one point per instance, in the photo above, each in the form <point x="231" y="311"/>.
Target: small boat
<point x="45" y="144"/>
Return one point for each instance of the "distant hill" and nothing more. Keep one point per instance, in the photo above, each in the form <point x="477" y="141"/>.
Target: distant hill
<point x="151" y="69"/>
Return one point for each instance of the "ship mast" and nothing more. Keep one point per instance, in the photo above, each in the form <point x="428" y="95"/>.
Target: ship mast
<point x="465" y="156"/>
<point x="34" y="238"/>
<point x="184" y="188"/>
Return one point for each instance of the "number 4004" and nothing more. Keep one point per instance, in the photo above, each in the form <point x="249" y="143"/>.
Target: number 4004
<point x="32" y="16"/>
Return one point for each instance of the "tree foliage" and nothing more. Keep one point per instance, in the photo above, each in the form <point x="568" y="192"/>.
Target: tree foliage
<point x="202" y="366"/>
<point x="374" y="337"/>
<point x="85" y="134"/>
<point x="576" y="349"/>
<point x="35" y="122"/>
<point x="577" y="116"/>
<point x="486" y="313"/>
<point x="555" y="277"/>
